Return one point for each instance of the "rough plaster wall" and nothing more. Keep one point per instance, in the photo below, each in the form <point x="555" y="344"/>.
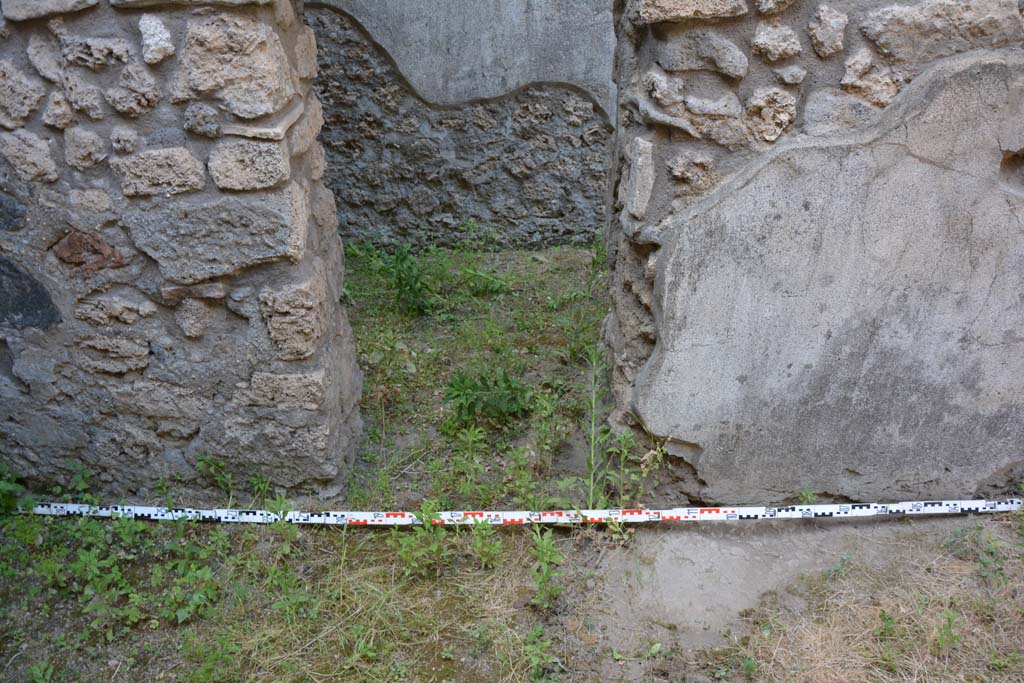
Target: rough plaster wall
<point x="818" y="247"/>
<point x="170" y="268"/>
<point x="478" y="137"/>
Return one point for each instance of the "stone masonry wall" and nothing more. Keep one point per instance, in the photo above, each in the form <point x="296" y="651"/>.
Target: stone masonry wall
<point x="170" y="268"/>
<point x="514" y="162"/>
<point x="818" y="244"/>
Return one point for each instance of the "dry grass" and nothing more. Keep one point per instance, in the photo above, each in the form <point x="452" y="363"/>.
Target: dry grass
<point x="949" y="613"/>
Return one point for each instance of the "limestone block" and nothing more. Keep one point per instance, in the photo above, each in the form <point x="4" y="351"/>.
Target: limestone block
<point x="876" y="84"/>
<point x="845" y="315"/>
<point x="20" y="95"/>
<point x="107" y="309"/>
<point x="44" y="54"/>
<point x="156" y="39"/>
<point x="775" y="42"/>
<point x="20" y="10"/>
<point x="83" y="148"/>
<point x="113" y="355"/>
<point x="305" y="53"/>
<point x="772" y="6"/>
<point x="88" y="51"/>
<point x="298" y="391"/>
<point x="827" y="29"/>
<point x="276" y="130"/>
<point x="640" y="183"/>
<point x="829" y="110"/>
<point x="284" y="14"/>
<point x="24" y="301"/>
<point x="294" y="314"/>
<point x="84" y="97"/>
<point x="694" y="171"/>
<point x="702" y="50"/>
<point x="932" y="29"/>
<point x="654" y="11"/>
<point x="193" y="317"/>
<point x="249" y="165"/>
<point x="157" y="399"/>
<point x="202" y="119"/>
<point x="173" y="295"/>
<point x="124" y="139"/>
<point x="58" y="112"/>
<point x="195" y="242"/>
<point x="769" y="113"/>
<point x="160" y="171"/>
<point x="303" y="134"/>
<point x="793" y="74"/>
<point x="236" y="60"/>
<point x="317" y="162"/>
<point x="29" y="156"/>
<point x="136" y="92"/>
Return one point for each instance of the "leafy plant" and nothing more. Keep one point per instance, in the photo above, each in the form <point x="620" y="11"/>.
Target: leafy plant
<point x="423" y="548"/>
<point x="260" y="487"/>
<point x="947" y="636"/>
<point x="546" y="557"/>
<point x="217" y="472"/>
<point x="485" y="545"/>
<point x="41" y="672"/>
<point x="404" y="270"/>
<point x="597" y="434"/>
<point x="10" y="490"/>
<point x="538" y="654"/>
<point x="492" y="395"/>
<point x="808" y="496"/>
<point x="483" y="283"/>
<point x="628" y="479"/>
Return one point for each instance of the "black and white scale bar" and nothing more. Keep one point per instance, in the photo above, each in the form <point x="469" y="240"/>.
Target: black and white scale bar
<point x="511" y="517"/>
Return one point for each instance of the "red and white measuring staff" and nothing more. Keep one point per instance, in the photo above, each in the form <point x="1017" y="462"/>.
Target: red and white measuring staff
<point x="511" y="517"/>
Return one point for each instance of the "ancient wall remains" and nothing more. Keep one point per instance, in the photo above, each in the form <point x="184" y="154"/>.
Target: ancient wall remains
<point x="170" y="267"/>
<point x="819" y="246"/>
<point x="452" y="120"/>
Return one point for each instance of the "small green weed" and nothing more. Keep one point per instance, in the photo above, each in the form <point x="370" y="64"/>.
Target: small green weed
<point x="42" y="672"/>
<point x="423" y="549"/>
<point x="217" y="472"/>
<point x="492" y="395"/>
<point x="485" y="544"/>
<point x="808" y="496"/>
<point x="547" y="557"/>
<point x="405" y="272"/>
<point x="947" y="636"/>
<point x="538" y="653"/>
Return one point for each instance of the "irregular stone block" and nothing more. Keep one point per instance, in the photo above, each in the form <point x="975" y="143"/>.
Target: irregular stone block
<point x="83" y="149"/>
<point x="236" y="60"/>
<point x="702" y="50"/>
<point x="29" y="156"/>
<point x="84" y="97"/>
<point x="830" y="110"/>
<point x="124" y="140"/>
<point x="294" y="314"/>
<point x="846" y="315"/>
<point x="640" y="183"/>
<point x="299" y="391"/>
<point x="108" y="309"/>
<point x="877" y="85"/>
<point x="793" y="74"/>
<point x="24" y="301"/>
<point x="114" y="355"/>
<point x="305" y="54"/>
<point x="44" y="54"/>
<point x="248" y="165"/>
<point x="136" y="92"/>
<point x="655" y="11"/>
<point x="193" y="317"/>
<point x="694" y="171"/>
<point x="156" y="39"/>
<point x="174" y="295"/>
<point x="303" y="134"/>
<point x="20" y="10"/>
<point x="191" y="243"/>
<point x="772" y="6"/>
<point x="202" y="119"/>
<point x="937" y="28"/>
<point x="775" y="42"/>
<point x="88" y="252"/>
<point x="92" y="53"/>
<point x="20" y="95"/>
<point x="159" y="171"/>
<point x="58" y="112"/>
<point x="272" y="131"/>
<point x="769" y="113"/>
<point x="827" y="29"/>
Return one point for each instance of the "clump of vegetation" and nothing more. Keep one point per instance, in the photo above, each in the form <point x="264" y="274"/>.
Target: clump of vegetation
<point x="491" y="394"/>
